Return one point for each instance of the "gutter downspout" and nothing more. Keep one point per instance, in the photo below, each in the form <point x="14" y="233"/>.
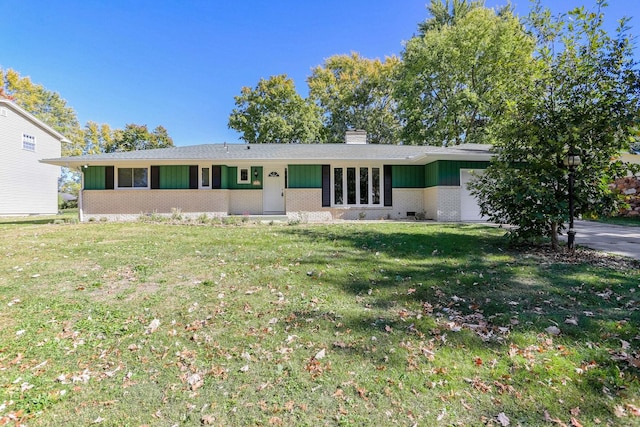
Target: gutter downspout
<point x="80" y="198"/>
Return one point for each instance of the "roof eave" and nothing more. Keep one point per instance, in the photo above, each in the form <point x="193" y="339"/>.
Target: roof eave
<point x="24" y="113"/>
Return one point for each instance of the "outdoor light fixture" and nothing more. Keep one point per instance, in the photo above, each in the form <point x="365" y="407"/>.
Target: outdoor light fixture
<point x="571" y="161"/>
<point x="255" y="173"/>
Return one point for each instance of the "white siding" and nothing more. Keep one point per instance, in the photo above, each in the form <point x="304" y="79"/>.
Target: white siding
<point x="27" y="187"/>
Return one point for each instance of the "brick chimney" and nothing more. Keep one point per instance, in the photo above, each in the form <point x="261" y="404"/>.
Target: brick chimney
<point x="355" y="137"/>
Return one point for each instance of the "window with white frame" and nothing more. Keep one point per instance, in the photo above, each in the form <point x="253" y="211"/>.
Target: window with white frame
<point x="28" y="142"/>
<point x="132" y="178"/>
<point x="205" y="177"/>
<point x="356" y="186"/>
<point x="243" y="175"/>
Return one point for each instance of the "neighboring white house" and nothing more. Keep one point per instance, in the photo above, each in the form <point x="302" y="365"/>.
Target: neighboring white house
<point x="27" y="187"/>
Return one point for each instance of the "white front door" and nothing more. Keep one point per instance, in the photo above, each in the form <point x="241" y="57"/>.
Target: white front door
<point x="273" y="190"/>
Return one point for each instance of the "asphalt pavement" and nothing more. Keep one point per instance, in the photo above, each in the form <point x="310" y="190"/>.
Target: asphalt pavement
<point x="614" y="239"/>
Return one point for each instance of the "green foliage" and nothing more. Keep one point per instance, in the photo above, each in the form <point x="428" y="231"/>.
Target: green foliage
<point x="446" y="13"/>
<point x="97" y="138"/>
<point x="137" y="137"/>
<point x="460" y="73"/>
<point x="273" y="112"/>
<point x="356" y="93"/>
<point x="585" y="98"/>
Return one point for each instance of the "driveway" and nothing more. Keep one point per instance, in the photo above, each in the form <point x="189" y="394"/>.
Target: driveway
<point x="614" y="239"/>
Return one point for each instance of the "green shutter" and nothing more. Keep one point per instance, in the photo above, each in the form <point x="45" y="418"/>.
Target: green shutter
<point x="216" y="177"/>
<point x="193" y="177"/>
<point x="388" y="185"/>
<point x="155" y="177"/>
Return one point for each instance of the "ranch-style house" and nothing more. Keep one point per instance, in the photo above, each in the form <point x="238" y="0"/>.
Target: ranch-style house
<point x="310" y="182"/>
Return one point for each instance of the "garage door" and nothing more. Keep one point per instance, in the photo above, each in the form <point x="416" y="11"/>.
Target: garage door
<point x="469" y="209"/>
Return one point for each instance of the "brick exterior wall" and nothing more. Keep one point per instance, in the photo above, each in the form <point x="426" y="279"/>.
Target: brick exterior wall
<point x="130" y="204"/>
<point x="442" y="204"/>
<point x="448" y="204"/>
<point x="437" y="203"/>
<point x="306" y="205"/>
<point x="430" y="203"/>
<point x="243" y="202"/>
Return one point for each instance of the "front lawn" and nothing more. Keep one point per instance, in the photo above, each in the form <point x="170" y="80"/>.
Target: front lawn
<point x="343" y="324"/>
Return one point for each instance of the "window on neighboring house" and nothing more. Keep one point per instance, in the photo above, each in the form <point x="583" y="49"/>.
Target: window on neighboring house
<point x="205" y="177"/>
<point x="361" y="185"/>
<point x="243" y="175"/>
<point x="28" y="142"/>
<point x="132" y="178"/>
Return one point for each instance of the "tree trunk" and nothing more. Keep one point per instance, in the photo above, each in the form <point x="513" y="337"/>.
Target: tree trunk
<point x="554" y="236"/>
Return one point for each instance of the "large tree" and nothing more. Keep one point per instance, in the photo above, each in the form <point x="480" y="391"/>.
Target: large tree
<point x="273" y="112"/>
<point x="584" y="99"/>
<point x="460" y="72"/>
<point x="97" y="138"/>
<point x="356" y="93"/>
<point x="136" y="137"/>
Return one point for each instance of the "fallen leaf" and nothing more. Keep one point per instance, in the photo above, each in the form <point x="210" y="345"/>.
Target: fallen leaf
<point x="207" y="420"/>
<point x="571" y="321"/>
<point x="619" y="411"/>
<point x="553" y="330"/>
<point x="503" y="419"/>
<point x="633" y="410"/>
<point x="320" y="355"/>
<point x="155" y="323"/>
<point x="575" y="422"/>
<point x="195" y="381"/>
<point x="549" y="419"/>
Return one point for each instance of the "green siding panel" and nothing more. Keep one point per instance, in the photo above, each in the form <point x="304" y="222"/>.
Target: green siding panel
<point x="305" y="176"/>
<point x="174" y="177"/>
<point x="447" y="172"/>
<point x="431" y="174"/>
<point x="407" y="176"/>
<point x="232" y="178"/>
<point x="94" y="178"/>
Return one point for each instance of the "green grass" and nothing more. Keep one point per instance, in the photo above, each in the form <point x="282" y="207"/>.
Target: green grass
<point x="343" y="324"/>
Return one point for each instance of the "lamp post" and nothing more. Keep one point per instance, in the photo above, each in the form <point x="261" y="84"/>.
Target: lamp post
<point x="571" y="161"/>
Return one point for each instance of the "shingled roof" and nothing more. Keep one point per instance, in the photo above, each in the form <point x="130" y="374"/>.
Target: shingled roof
<point x="283" y="153"/>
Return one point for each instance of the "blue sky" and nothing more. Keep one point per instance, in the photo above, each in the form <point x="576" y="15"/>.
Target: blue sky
<point x="180" y="63"/>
